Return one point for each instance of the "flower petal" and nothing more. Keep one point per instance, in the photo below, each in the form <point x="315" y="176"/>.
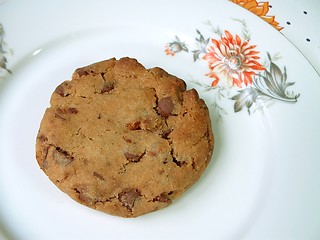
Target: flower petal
<point x="228" y="35"/>
<point x="238" y="40"/>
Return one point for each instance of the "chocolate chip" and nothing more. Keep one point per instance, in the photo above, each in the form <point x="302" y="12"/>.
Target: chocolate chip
<point x="165" y="133"/>
<point x="98" y="175"/>
<point x="61" y="112"/>
<point x="62" y="157"/>
<point x="165" y="106"/>
<point x="72" y="110"/>
<point x="107" y="87"/>
<point x="83" y="196"/>
<point x="128" y="140"/>
<point x="133" y="157"/>
<point x="60" y="90"/>
<point x="81" y="72"/>
<point x="163" y="197"/>
<point x="130" y="156"/>
<point x="42" y="138"/>
<point x="128" y="197"/>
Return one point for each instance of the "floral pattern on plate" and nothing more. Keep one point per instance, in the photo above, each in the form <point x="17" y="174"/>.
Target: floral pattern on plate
<point x="260" y="9"/>
<point x="3" y="53"/>
<point x="236" y="70"/>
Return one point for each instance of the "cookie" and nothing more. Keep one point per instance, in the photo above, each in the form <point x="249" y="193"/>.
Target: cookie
<point x="123" y="139"/>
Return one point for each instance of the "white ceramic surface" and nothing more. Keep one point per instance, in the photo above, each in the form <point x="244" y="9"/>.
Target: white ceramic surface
<point x="300" y="22"/>
<point x="263" y="181"/>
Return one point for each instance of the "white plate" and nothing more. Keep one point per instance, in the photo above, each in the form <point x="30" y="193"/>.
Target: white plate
<point x="263" y="181"/>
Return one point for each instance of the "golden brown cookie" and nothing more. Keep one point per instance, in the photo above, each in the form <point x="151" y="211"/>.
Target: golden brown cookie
<point x="123" y="139"/>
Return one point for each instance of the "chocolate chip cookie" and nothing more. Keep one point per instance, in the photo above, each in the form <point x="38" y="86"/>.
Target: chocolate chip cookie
<point x="124" y="139"/>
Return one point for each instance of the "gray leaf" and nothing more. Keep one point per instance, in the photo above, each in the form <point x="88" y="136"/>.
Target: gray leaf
<point x="245" y="97"/>
<point x="273" y="83"/>
<point x="3" y="61"/>
<point x="196" y="54"/>
<point x="237" y="106"/>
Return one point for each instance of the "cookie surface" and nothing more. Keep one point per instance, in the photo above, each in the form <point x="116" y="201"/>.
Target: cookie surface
<point x="123" y="139"/>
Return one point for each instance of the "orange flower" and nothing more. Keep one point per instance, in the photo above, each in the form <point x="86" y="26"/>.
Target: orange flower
<point x="235" y="59"/>
<point x="215" y="78"/>
<point x="168" y="51"/>
<point x="175" y="46"/>
<point x="260" y="9"/>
